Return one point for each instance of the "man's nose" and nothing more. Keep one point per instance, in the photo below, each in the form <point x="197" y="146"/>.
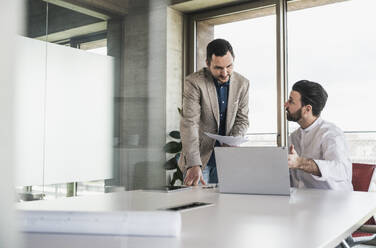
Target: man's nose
<point x="224" y="72"/>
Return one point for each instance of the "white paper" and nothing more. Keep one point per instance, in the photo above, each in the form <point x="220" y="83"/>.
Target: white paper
<point x="228" y="140"/>
<point x="152" y="223"/>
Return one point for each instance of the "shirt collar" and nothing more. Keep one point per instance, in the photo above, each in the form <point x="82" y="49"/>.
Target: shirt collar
<point x="313" y="125"/>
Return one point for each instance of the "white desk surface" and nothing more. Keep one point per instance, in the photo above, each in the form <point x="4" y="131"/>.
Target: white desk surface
<point x="309" y="218"/>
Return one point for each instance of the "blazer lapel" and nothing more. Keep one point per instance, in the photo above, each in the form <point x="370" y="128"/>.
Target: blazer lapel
<point x="212" y="93"/>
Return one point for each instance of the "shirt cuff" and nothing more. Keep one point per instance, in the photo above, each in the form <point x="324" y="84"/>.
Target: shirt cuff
<point x="323" y="167"/>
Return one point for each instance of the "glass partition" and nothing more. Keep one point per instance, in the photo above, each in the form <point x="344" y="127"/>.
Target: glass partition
<point x="64" y="96"/>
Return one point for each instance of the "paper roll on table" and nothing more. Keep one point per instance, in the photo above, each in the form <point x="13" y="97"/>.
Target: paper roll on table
<point x="153" y="223"/>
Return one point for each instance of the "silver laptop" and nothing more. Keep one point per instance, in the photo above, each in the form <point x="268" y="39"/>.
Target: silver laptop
<point x="253" y="170"/>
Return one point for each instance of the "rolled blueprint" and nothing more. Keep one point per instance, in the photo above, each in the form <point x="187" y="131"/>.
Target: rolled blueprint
<point x="152" y="223"/>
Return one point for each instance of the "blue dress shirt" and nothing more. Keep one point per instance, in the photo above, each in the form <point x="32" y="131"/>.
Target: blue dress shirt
<point x="222" y="94"/>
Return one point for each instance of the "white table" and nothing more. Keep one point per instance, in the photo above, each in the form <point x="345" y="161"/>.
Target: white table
<point x="309" y="218"/>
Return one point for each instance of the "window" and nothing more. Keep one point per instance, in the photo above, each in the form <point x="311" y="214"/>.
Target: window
<point x="324" y="45"/>
<point x="327" y="46"/>
<point x="254" y="43"/>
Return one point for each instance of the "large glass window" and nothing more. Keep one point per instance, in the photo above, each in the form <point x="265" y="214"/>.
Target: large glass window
<point x="331" y="45"/>
<point x="255" y="56"/>
<point x="324" y="45"/>
<point x="254" y="43"/>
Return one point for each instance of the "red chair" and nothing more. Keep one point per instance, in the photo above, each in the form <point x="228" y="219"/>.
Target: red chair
<point x="362" y="175"/>
<point x="361" y="180"/>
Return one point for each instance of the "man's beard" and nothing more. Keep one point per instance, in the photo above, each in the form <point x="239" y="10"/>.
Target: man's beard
<point x="294" y="116"/>
<point x="223" y="80"/>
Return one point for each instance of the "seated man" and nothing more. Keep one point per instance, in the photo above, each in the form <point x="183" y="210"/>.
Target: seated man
<point x="318" y="153"/>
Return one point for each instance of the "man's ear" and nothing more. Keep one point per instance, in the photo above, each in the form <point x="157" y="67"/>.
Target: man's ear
<point x="207" y="63"/>
<point x="308" y="108"/>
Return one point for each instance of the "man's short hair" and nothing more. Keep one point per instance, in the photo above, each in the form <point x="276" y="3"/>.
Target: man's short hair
<point x="218" y="47"/>
<point x="311" y="94"/>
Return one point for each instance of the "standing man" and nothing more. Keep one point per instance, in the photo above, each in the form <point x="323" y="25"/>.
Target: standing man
<point x="215" y="100"/>
<point x="318" y="155"/>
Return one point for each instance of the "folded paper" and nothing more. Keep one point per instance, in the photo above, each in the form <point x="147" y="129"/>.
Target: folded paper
<point x="228" y="140"/>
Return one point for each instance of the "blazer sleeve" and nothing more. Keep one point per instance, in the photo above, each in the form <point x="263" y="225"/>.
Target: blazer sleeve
<point x="189" y="124"/>
<point x="241" y="123"/>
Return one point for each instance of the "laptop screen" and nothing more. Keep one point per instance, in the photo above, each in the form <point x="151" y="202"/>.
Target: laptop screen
<point x="253" y="170"/>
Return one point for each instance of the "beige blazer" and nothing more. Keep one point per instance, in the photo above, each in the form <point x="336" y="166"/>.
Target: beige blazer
<point x="201" y="114"/>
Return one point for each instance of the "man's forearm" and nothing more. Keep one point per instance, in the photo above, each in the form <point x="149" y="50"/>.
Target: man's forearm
<point x="309" y="166"/>
<point x="190" y="141"/>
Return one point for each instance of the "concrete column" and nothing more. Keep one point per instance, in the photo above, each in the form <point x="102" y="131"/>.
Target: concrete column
<point x="205" y="34"/>
<point x="143" y="95"/>
<point x="175" y="51"/>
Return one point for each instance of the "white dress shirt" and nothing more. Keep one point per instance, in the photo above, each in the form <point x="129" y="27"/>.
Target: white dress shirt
<point x="324" y="143"/>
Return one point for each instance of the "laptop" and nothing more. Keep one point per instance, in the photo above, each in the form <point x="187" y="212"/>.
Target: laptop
<point x="253" y="170"/>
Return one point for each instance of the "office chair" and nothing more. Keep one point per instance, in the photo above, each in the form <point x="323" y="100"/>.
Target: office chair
<point x="361" y="180"/>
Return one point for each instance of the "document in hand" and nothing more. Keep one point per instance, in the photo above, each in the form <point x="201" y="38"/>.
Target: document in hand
<point x="144" y="223"/>
<point x="228" y="140"/>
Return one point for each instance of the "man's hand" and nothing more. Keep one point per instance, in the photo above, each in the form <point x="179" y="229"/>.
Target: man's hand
<point x="304" y="164"/>
<point x="193" y="176"/>
<point x="293" y="158"/>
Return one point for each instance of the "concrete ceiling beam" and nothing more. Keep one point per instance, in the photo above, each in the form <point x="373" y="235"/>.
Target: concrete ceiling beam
<point x="188" y="6"/>
<point x="104" y="10"/>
